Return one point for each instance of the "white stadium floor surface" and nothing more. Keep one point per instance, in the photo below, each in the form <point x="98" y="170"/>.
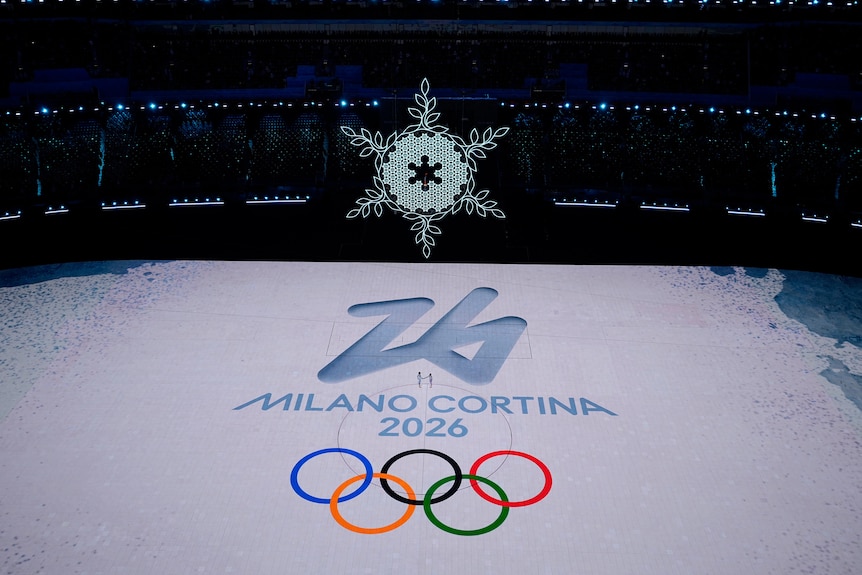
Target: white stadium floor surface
<point x="234" y="417"/>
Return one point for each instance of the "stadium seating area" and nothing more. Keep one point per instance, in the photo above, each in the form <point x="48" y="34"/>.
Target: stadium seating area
<point x="748" y="104"/>
<point x="213" y="56"/>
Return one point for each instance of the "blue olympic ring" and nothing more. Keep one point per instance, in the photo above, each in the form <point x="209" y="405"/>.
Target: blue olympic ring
<point x="294" y="475"/>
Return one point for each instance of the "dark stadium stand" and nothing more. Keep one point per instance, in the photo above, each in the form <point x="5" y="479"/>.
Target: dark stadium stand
<point x="148" y="129"/>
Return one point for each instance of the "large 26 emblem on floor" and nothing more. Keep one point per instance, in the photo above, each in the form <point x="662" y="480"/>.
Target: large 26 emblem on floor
<point x="425" y="173"/>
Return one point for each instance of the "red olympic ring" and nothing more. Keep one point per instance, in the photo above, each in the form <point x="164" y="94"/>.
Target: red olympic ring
<point x="474" y="470"/>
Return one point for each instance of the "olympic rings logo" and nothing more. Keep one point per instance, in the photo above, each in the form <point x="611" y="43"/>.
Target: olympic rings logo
<point x="339" y="495"/>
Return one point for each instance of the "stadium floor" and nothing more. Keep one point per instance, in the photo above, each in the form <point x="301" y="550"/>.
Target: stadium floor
<point x="195" y="416"/>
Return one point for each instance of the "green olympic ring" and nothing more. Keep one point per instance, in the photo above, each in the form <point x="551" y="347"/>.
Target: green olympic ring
<point x="504" y="511"/>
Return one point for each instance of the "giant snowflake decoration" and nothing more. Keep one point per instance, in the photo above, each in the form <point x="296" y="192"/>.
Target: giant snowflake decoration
<point x="425" y="173"/>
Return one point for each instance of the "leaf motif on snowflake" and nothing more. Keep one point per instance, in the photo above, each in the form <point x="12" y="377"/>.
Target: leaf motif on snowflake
<point x="424" y="173"/>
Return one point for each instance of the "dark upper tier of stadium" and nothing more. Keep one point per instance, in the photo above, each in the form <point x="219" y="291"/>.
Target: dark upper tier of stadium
<point x="714" y="133"/>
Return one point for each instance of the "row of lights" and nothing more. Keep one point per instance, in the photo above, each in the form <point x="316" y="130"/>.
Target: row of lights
<point x="10" y="216"/>
<point x="665" y="207"/>
<point x="153" y="107"/>
<point x="815" y="218"/>
<point x="746" y="212"/>
<point x="343" y="103"/>
<point x="675" y="207"/>
<point x="277" y="200"/>
<point x="135" y="205"/>
<point x="121" y="205"/>
<point x="126" y="205"/>
<point x="649" y="108"/>
<point x="587" y="203"/>
<point x="187" y="202"/>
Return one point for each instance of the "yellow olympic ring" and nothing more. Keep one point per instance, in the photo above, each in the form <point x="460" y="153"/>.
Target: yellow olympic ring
<point x="333" y="505"/>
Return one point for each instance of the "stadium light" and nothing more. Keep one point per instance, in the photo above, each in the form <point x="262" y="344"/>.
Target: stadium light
<point x="276" y="200"/>
<point x="748" y="212"/>
<point x="664" y="207"/>
<point x="10" y="216"/>
<point x="113" y="206"/>
<point x="196" y="202"/>
<point x="815" y="218"/>
<point x="583" y="204"/>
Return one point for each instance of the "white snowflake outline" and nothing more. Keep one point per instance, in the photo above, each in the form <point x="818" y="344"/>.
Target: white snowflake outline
<point x="376" y="199"/>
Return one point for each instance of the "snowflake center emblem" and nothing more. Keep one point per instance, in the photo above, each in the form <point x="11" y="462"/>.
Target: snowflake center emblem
<point x="424" y="172"/>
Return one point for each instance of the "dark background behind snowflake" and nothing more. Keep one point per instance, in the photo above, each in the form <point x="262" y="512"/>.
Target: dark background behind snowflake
<point x="713" y="107"/>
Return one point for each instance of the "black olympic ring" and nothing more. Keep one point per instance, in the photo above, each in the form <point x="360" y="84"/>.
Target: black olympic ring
<point x="452" y="490"/>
